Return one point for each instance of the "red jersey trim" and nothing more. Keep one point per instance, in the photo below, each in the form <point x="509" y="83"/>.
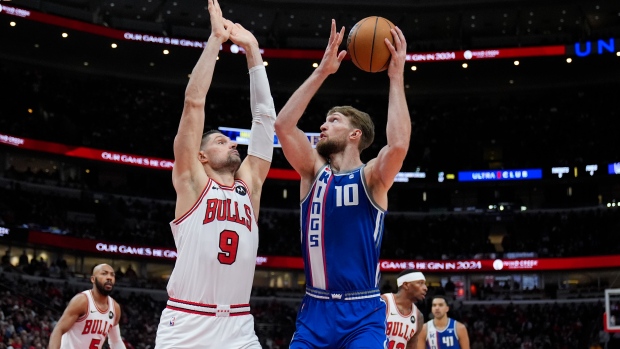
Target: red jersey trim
<point x="95" y="303"/>
<point x="83" y="317"/>
<point x="203" y="313"/>
<point x="232" y="306"/>
<point x="191" y="210"/>
<point x="398" y="310"/>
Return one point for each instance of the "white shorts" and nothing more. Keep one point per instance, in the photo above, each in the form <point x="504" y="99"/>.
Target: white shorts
<point x="185" y="330"/>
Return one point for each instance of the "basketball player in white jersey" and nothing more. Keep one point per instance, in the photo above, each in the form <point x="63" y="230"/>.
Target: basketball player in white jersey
<point x="404" y="319"/>
<point x="91" y="316"/>
<point x="215" y="226"/>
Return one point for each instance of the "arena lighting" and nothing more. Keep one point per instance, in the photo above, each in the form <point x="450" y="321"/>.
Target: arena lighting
<point x="283" y="262"/>
<point x="577" y="49"/>
<point x="591" y="169"/>
<point x="559" y="171"/>
<point x="242" y="137"/>
<point x="500" y="175"/>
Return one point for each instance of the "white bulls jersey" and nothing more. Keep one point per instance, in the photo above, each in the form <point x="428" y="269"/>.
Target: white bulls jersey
<point x="216" y="242"/>
<point x="400" y="327"/>
<point x="91" y="329"/>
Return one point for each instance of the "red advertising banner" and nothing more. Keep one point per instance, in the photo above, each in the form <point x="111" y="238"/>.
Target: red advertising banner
<point x="273" y="53"/>
<point x="87" y="153"/>
<point x="283" y="262"/>
<point x="116" y="157"/>
<point x="536" y="51"/>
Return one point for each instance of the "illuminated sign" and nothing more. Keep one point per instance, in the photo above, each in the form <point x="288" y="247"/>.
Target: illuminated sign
<point x="307" y="54"/>
<point x="136" y="250"/>
<point x="614" y="168"/>
<point x="499" y="175"/>
<point x="242" y="136"/>
<point x="404" y="176"/>
<point x="559" y="171"/>
<point x="602" y="46"/>
<point x="285" y="262"/>
<point x="490" y="265"/>
<point x="539" y="51"/>
<point x="591" y="169"/>
<point x="4" y="232"/>
<point x="14" y="11"/>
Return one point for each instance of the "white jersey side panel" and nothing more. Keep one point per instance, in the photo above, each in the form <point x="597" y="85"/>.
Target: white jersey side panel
<point x="400" y="327"/>
<point x="217" y="242"/>
<point x="90" y="330"/>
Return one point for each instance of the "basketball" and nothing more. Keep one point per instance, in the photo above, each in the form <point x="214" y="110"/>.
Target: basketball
<point x="366" y="46"/>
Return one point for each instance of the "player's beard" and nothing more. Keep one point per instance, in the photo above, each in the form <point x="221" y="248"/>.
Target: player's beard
<point x="101" y="288"/>
<point x="233" y="162"/>
<point x="327" y="147"/>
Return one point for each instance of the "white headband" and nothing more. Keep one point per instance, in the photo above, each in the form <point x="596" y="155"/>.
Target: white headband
<point x="415" y="276"/>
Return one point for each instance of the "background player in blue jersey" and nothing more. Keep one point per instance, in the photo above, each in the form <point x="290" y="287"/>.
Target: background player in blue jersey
<point x="343" y="206"/>
<point x="442" y="332"/>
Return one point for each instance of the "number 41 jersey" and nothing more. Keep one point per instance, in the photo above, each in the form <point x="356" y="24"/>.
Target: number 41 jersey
<point x="341" y="232"/>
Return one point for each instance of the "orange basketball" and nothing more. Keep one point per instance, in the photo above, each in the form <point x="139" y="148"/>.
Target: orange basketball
<point x="366" y="46"/>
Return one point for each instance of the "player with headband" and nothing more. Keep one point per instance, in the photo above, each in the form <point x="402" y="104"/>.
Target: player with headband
<point x="403" y="319"/>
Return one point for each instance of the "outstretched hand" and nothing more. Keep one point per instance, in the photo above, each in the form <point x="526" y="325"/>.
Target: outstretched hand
<point x="220" y="27"/>
<point x="398" y="51"/>
<point x="242" y="37"/>
<point x="332" y="58"/>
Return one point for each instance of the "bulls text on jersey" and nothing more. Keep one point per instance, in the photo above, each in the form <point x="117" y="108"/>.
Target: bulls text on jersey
<point x="398" y="329"/>
<point x="227" y="210"/>
<point x="96" y="327"/>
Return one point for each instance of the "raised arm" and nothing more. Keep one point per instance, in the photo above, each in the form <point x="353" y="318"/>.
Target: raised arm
<point x="383" y="169"/>
<point x="256" y="165"/>
<point x="421" y="342"/>
<point x="77" y="307"/>
<point x="295" y="144"/>
<point x="188" y="175"/>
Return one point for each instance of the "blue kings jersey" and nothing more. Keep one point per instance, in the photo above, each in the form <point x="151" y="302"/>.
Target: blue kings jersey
<point x="447" y="338"/>
<point x="341" y="232"/>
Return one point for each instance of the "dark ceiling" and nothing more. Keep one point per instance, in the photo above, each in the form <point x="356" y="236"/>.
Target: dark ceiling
<point x="429" y="25"/>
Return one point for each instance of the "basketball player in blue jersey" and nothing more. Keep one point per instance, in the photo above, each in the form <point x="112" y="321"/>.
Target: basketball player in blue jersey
<point x="442" y="332"/>
<point x="343" y="206"/>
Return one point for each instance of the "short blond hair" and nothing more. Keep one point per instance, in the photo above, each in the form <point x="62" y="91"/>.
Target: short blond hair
<point x="360" y="120"/>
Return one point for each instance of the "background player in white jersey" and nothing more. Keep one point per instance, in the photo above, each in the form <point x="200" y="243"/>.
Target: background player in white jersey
<point x="404" y="319"/>
<point x="215" y="227"/>
<point x="91" y="316"/>
<point x="343" y="206"/>
<point x="441" y="331"/>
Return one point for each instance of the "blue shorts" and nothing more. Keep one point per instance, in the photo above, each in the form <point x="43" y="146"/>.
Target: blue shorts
<point x="337" y="324"/>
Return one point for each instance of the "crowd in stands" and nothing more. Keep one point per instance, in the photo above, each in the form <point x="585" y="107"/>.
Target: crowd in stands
<point x="564" y="126"/>
<point x="567" y="126"/>
<point x="115" y="218"/>
<point x="29" y="309"/>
